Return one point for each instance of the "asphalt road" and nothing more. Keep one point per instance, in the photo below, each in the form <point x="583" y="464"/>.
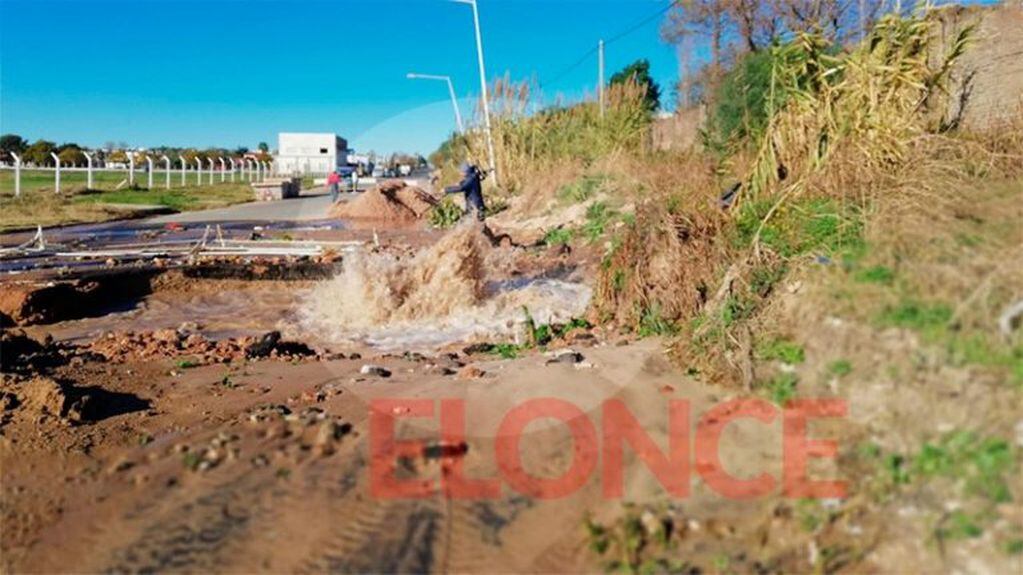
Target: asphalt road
<point x="310" y="205"/>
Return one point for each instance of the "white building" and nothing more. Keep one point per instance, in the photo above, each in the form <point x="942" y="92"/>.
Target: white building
<point x="299" y="153"/>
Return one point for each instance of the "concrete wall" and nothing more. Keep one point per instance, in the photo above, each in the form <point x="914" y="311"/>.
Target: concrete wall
<point x="680" y="131"/>
<point x="987" y="84"/>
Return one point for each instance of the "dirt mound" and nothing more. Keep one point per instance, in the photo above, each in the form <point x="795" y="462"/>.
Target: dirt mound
<point x="21" y="353"/>
<point x="193" y="347"/>
<point x="393" y="202"/>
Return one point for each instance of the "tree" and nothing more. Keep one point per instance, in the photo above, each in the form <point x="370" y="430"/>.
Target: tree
<point x="263" y="147"/>
<point x="70" y="155"/>
<point x="241" y="151"/>
<point x="39" y="153"/>
<point x="12" y="143"/>
<point x="737" y="27"/>
<point x="639" y="72"/>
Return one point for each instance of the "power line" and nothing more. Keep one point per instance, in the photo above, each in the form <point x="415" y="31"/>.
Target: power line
<point x="638" y="25"/>
<point x="641" y="23"/>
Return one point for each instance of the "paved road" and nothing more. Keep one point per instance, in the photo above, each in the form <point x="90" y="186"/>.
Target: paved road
<point x="310" y="205"/>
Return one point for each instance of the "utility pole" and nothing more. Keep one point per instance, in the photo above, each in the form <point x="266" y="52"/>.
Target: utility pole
<point x="483" y="86"/>
<point x="600" y="76"/>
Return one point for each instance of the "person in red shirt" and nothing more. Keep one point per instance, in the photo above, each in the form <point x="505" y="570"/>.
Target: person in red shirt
<point x="334" y="182"/>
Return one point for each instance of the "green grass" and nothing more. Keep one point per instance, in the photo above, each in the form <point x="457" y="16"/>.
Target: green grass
<point x="582" y="189"/>
<point x="782" y="388"/>
<point x="781" y="350"/>
<point x="840" y="368"/>
<point x="876" y="275"/>
<point x="445" y="214"/>
<point x="49" y="209"/>
<point x="811" y="226"/>
<point x="70" y="182"/>
<point x="505" y="350"/>
<point x="652" y="323"/>
<point x="598" y="218"/>
<point x="916" y="315"/>
<point x="558" y="236"/>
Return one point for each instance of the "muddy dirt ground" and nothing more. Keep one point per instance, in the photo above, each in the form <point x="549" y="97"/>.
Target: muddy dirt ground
<point x="201" y="424"/>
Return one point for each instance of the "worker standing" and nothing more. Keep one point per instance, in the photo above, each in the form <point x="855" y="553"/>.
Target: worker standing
<point x="333" y="182"/>
<point x="472" y="186"/>
<point x="355" y="180"/>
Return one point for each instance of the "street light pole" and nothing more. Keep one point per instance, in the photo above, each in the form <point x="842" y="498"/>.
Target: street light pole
<point x="483" y="85"/>
<point x="600" y="76"/>
<point x="451" y="91"/>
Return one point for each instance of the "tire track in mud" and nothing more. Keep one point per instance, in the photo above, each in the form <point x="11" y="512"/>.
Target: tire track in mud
<point x="415" y="537"/>
<point x="197" y="535"/>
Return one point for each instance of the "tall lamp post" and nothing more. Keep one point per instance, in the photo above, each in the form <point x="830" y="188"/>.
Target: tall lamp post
<point x="483" y="84"/>
<point x="451" y="91"/>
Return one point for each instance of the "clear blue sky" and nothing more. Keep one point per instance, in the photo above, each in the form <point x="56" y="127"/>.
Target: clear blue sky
<point x="235" y="72"/>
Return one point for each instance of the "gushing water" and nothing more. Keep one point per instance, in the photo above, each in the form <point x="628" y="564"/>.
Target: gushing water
<point x="440" y="296"/>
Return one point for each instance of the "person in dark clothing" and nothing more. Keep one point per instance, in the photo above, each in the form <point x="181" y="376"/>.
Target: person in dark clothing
<point x="472" y="186"/>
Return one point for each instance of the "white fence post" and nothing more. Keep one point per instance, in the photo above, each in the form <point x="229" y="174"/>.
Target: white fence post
<point x="166" y="171"/>
<point x="88" y="170"/>
<point x="198" y="170"/>
<point x="232" y="169"/>
<point x="210" y="160"/>
<point x="223" y="170"/>
<point x="56" y="183"/>
<point x="17" y="175"/>
<point x="131" y="170"/>
<point x="183" y="166"/>
<point x="149" y="167"/>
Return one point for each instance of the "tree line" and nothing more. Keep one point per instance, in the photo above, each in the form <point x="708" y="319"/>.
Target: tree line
<point x="71" y="154"/>
<point x="735" y="28"/>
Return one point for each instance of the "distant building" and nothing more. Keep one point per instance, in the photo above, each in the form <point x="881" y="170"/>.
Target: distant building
<point x="310" y="153"/>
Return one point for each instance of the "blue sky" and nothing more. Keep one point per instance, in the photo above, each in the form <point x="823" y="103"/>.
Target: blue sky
<point x="235" y="72"/>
